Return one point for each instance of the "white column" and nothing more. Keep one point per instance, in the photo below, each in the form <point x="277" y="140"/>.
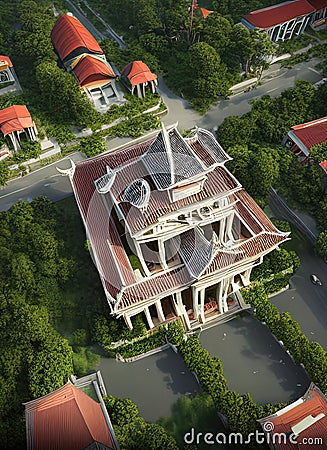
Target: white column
<point x="148" y="317"/>
<point x="280" y="33"/>
<point x="225" y="307"/>
<point x="195" y="302"/>
<point x="162" y="254"/>
<point x="181" y="309"/>
<point x="246" y="276"/>
<point x="128" y="321"/>
<point x="141" y="258"/>
<point x="222" y="225"/>
<point x="304" y="24"/>
<point x="202" y="297"/>
<point x="139" y="93"/>
<point x="160" y="312"/>
<point x="229" y="235"/>
<point x="220" y="296"/>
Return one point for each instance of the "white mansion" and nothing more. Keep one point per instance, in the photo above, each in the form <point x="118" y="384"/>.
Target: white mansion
<point x="172" y="232"/>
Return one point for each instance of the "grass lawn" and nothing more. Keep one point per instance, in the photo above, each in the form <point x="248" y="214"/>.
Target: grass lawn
<point x="83" y="296"/>
<point x="196" y="413"/>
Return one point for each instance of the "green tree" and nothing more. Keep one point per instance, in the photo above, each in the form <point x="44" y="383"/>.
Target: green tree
<point x="4" y="173"/>
<point x="322" y="244"/>
<point x="51" y="364"/>
<point x="235" y="131"/>
<point x="263" y="50"/>
<point x="319" y="152"/>
<point x="209" y="75"/>
<point x="242" y="46"/>
<point x="264" y="170"/>
<point x="61" y="95"/>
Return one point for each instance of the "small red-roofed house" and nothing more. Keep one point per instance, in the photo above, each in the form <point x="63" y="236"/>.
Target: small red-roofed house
<point x="300" y="425"/>
<point x="7" y="73"/>
<point x="318" y="20"/>
<point x="138" y="75"/>
<point x="16" y="121"/>
<point x="304" y="136"/>
<point x="281" y="21"/>
<point x="69" y="419"/>
<point x="80" y="53"/>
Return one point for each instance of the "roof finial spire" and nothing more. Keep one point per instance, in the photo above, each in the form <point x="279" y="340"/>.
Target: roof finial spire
<point x="168" y="149"/>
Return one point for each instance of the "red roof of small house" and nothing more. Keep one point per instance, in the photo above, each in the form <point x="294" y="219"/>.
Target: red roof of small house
<point x="323" y="165"/>
<point x="312" y="133"/>
<point x="6" y="59"/>
<point x="15" y="118"/>
<point x="275" y="14"/>
<point x="318" y="4"/>
<point x="138" y="72"/>
<point x="306" y="418"/>
<point x="66" y="419"/>
<point x="90" y="70"/>
<point x="68" y="34"/>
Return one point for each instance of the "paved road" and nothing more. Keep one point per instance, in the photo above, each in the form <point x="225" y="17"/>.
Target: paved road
<point x="84" y="20"/>
<point x="239" y="104"/>
<point x="45" y="181"/>
<point x="306" y="302"/>
<point x="253" y="360"/>
<point x="154" y="383"/>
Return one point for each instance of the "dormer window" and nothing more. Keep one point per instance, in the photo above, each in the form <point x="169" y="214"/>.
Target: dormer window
<point x="138" y="193"/>
<point x="180" y="192"/>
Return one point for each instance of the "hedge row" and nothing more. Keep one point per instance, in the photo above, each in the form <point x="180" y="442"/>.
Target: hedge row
<point x="287" y="330"/>
<point x="241" y="411"/>
<point x="174" y="332"/>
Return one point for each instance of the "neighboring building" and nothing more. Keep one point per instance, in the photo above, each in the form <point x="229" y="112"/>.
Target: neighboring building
<point x="73" y="417"/>
<point x="281" y="21"/>
<point x="318" y="18"/>
<point x="302" y="424"/>
<point x="304" y="136"/>
<point x="79" y="52"/>
<point x="16" y="122"/>
<point x="6" y="75"/>
<point x="170" y="204"/>
<point x="138" y="75"/>
<point x="8" y="79"/>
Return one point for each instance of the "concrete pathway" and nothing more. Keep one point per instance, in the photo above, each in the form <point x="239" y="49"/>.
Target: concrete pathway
<point x="153" y="383"/>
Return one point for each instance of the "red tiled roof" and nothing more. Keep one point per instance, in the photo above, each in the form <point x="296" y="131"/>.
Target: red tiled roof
<point x="312" y="133"/>
<point x="68" y="34"/>
<point x="110" y="256"/>
<point x="160" y="204"/>
<point x="314" y="403"/>
<point x="154" y="286"/>
<point x="323" y="165"/>
<point x="6" y="59"/>
<point x="90" y="70"/>
<point x="282" y="12"/>
<point x="318" y="4"/>
<point x="15" y="118"/>
<point x="66" y="419"/>
<point x="138" y="72"/>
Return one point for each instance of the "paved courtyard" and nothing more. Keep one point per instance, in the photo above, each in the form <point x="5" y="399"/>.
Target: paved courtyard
<point x="154" y="383"/>
<point x="253" y="360"/>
